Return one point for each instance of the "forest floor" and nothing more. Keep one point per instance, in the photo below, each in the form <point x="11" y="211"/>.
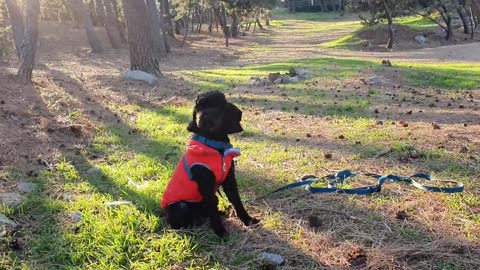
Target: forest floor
<point x="85" y="137"/>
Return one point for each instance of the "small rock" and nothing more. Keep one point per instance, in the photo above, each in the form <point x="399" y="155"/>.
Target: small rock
<point x="94" y="171"/>
<point x="271" y="77"/>
<point x="219" y="80"/>
<point x="465" y="124"/>
<point x="309" y="135"/>
<point x="403" y="123"/>
<point x="376" y="81"/>
<point x="27" y="187"/>
<point x="341" y="137"/>
<point x="435" y="126"/>
<point x="421" y="40"/>
<point x="5" y="221"/>
<point x="294" y="79"/>
<point x="285" y="79"/>
<point x="77" y="217"/>
<point x="141" y="76"/>
<point x="11" y="200"/>
<point x="273" y="259"/>
<point x="379" y="123"/>
<point x="277" y="81"/>
<point x="118" y="203"/>
<point x="328" y="156"/>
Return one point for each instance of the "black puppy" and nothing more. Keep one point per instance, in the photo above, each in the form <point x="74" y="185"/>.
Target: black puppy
<point x="190" y="198"/>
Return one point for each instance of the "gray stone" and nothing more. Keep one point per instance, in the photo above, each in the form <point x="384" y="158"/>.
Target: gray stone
<point x="272" y="259"/>
<point x="294" y="79"/>
<point x="219" y="80"/>
<point x="10" y="199"/>
<point x="5" y="221"/>
<point x="77" y="217"/>
<point x="285" y="79"/>
<point x="421" y="40"/>
<point x="94" y="171"/>
<point x="27" y="187"/>
<point x="376" y="81"/>
<point x="139" y="75"/>
<point x="278" y="81"/>
<point x="118" y="203"/>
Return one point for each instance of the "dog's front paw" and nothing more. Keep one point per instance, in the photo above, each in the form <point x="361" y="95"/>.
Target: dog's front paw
<point x="250" y="221"/>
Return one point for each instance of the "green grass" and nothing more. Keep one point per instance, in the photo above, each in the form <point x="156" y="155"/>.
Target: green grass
<point x="446" y="76"/>
<point x="344" y="42"/>
<point x="416" y="22"/>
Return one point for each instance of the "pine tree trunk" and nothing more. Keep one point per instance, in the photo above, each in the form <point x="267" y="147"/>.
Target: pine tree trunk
<point x="82" y="13"/>
<point x="29" y="44"/>
<point x="100" y="12"/>
<point x="234" y="27"/>
<point x="119" y="25"/>
<point x="16" y="20"/>
<point x="110" y="25"/>
<point x="142" y="53"/>
<point x="178" y="27"/>
<point x="156" y="28"/>
<point x="463" y="18"/>
<point x="210" y="25"/>
<point x="390" y="24"/>
<point x="259" y="24"/>
<point x="168" y="17"/>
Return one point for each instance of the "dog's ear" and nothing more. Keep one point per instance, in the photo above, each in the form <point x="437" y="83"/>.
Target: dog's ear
<point x="192" y="126"/>
<point x="232" y="116"/>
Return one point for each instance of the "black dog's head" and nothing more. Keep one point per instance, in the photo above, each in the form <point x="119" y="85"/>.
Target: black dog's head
<point x="214" y="117"/>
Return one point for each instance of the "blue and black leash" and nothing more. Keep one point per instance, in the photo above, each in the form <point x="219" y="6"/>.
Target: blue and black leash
<point x="338" y="179"/>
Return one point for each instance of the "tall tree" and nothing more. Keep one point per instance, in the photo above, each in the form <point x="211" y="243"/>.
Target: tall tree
<point x="111" y="26"/>
<point x="119" y="24"/>
<point x="156" y="27"/>
<point x="81" y="12"/>
<point x="167" y="16"/>
<point x="16" y="20"/>
<point x="29" y="44"/>
<point x="140" y="43"/>
<point x="100" y="12"/>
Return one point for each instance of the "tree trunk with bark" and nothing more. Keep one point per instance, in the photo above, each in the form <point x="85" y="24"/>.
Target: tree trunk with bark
<point x="167" y="17"/>
<point x="465" y="21"/>
<point x="234" y="26"/>
<point x="78" y="7"/>
<point x="259" y="24"/>
<point x="210" y="19"/>
<point x="16" y="20"/>
<point x="111" y="25"/>
<point x="118" y="24"/>
<point x="153" y="16"/>
<point x="100" y="12"/>
<point x="390" y="24"/>
<point x="142" y="53"/>
<point x="29" y="43"/>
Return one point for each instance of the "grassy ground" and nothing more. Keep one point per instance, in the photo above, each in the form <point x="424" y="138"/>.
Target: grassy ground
<point x="330" y="122"/>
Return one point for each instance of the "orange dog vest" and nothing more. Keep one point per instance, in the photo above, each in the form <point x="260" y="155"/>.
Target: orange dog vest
<point x="200" y="151"/>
